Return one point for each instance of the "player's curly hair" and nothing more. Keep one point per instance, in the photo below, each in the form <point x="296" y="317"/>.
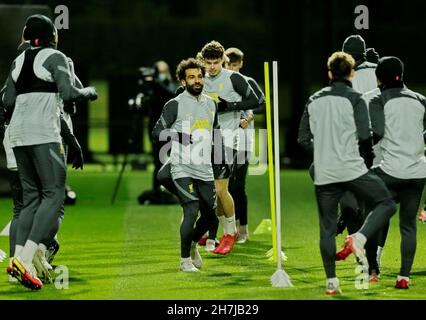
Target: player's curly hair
<point x="213" y="50"/>
<point x="340" y="64"/>
<point x="189" y="63"/>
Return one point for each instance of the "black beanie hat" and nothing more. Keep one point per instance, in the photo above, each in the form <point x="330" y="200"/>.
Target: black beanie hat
<point x="390" y="70"/>
<point x="355" y="46"/>
<point x="39" y="29"/>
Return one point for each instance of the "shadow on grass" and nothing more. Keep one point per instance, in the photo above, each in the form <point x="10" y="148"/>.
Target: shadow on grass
<point x="17" y="291"/>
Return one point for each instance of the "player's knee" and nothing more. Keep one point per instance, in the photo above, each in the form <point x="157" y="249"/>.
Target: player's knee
<point x="191" y="208"/>
<point x="390" y="206"/>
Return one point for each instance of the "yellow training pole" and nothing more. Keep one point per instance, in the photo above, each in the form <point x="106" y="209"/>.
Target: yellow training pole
<point x="270" y="160"/>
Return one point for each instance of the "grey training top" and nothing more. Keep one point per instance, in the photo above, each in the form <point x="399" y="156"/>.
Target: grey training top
<point x="334" y="123"/>
<point x="398" y="121"/>
<point x="35" y="118"/>
<point x="365" y="77"/>
<point x="234" y="88"/>
<point x="195" y="116"/>
<point x="246" y="136"/>
<point x="376" y="148"/>
<point x="77" y="83"/>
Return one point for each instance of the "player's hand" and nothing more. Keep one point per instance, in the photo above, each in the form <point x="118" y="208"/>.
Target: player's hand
<point x="77" y="153"/>
<point x="3" y="255"/>
<point x="222" y="105"/>
<point x="92" y="93"/>
<point x="244" y="123"/>
<point x="78" y="161"/>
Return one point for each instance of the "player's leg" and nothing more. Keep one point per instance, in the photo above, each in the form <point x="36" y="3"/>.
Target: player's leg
<point x="17" y="196"/>
<point x="209" y="238"/>
<point x="237" y="188"/>
<point x="22" y="267"/>
<point x="211" y="241"/>
<point x="49" y="246"/>
<point x="207" y="195"/>
<point x="188" y="246"/>
<point x="225" y="197"/>
<point x="51" y="170"/>
<point x="410" y="197"/>
<point x="50" y="242"/>
<point x="30" y="193"/>
<point x="222" y="190"/>
<point x="373" y="251"/>
<point x="52" y="250"/>
<point x="351" y="217"/>
<point x="189" y="200"/>
<point x="327" y="200"/>
<point x="227" y="219"/>
<point x="220" y="222"/>
<point x="205" y="236"/>
<point x="374" y="191"/>
<point x="351" y="212"/>
<point x="381" y="240"/>
<point x="47" y="249"/>
<point x="374" y="246"/>
<point x="371" y="254"/>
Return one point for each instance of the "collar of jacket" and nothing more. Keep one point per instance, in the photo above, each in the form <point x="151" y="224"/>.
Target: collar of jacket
<point x="392" y="85"/>
<point x="337" y="82"/>
<point x="196" y="98"/>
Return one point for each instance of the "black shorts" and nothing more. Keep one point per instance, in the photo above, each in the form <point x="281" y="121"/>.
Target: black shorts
<point x="225" y="170"/>
<point x="189" y="189"/>
<point x="221" y="171"/>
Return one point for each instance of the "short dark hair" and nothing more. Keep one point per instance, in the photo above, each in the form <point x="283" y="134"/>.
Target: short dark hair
<point x="213" y="50"/>
<point x="234" y="55"/>
<point x="189" y="63"/>
<point x="340" y="64"/>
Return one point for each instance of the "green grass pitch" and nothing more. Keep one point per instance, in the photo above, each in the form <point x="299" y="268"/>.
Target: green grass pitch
<point x="128" y="251"/>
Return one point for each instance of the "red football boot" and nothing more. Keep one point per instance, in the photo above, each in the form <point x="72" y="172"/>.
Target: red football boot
<point x="230" y="240"/>
<point x="27" y="277"/>
<point x="203" y="241"/>
<point x="401" y="284"/>
<point x="343" y="254"/>
<point x="219" y="248"/>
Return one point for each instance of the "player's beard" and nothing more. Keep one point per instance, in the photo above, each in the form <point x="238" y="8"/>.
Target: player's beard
<point x="195" y="89"/>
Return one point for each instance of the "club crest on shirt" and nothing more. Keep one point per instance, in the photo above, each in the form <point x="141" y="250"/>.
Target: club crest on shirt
<point x="213" y="95"/>
<point x="201" y="124"/>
